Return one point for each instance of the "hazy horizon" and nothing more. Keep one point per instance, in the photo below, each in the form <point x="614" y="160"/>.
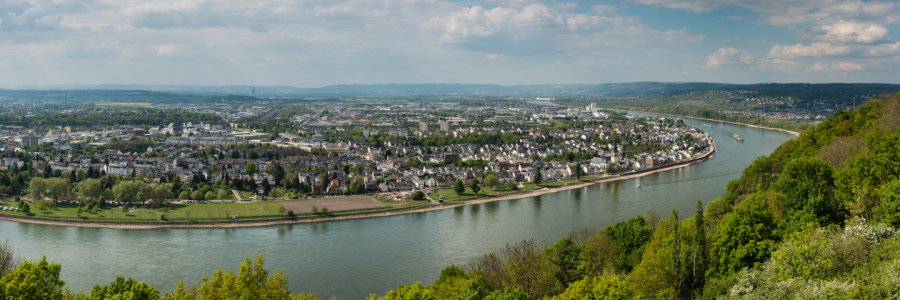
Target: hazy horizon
<point x="311" y="44"/>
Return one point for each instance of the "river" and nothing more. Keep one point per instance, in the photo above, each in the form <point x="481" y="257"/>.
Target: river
<point x="351" y="259"/>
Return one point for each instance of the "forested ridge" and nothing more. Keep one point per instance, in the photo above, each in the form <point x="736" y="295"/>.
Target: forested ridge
<point x="815" y="219"/>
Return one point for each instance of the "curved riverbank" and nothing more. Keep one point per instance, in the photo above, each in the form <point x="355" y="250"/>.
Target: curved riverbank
<point x="794" y="133"/>
<point x="270" y="222"/>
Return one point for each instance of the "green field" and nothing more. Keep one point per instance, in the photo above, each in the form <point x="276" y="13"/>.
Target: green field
<point x="173" y="212"/>
<point x="223" y="211"/>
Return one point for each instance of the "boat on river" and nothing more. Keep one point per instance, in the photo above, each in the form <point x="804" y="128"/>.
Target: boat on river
<point x="706" y="125"/>
<point x="738" y="138"/>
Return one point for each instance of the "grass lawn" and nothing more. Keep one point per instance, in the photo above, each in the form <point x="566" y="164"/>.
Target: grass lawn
<point x="399" y="204"/>
<point x="450" y="194"/>
<point x="245" y="195"/>
<point x="173" y="212"/>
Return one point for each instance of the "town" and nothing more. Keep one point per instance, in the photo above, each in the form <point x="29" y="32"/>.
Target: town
<point x="389" y="150"/>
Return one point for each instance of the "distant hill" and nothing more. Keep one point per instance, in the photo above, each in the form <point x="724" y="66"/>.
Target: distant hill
<point x="594" y="90"/>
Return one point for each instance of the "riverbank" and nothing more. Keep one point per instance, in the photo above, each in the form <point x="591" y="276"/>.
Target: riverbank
<point x="253" y="223"/>
<point x="794" y="133"/>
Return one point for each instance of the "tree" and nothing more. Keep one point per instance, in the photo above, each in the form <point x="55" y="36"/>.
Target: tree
<point x="184" y="195"/>
<point x="314" y="210"/>
<point x="90" y="188"/>
<point x="38" y="188"/>
<point x="629" y="236"/>
<point x="807" y="186"/>
<point x="491" y="181"/>
<point x="36" y="281"/>
<point x="223" y="194"/>
<point x="124" y="289"/>
<point x="282" y="210"/>
<point x="474" y="186"/>
<point x="158" y="194"/>
<point x="566" y="255"/>
<point x="250" y="167"/>
<point x="251" y="281"/>
<point x="458" y="187"/>
<point x="53" y="188"/>
<point x="210" y="195"/>
<point x="577" y="172"/>
<point x="324" y="210"/>
<point x="131" y="191"/>
<point x="512" y="186"/>
<point x="597" y="254"/>
<point x="889" y="209"/>
<point x="197" y="195"/>
<point x="537" y="176"/>
<point x="698" y="253"/>
<point x="608" y="286"/>
<point x="518" y="266"/>
<point x="745" y="237"/>
<point x="806" y="254"/>
<point x="57" y="188"/>
<point x="655" y="276"/>
<point x="857" y="184"/>
<point x="8" y="260"/>
<point x="358" y="185"/>
<point x="415" y="291"/>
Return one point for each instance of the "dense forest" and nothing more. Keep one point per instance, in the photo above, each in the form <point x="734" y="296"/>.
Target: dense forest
<point x="815" y="219"/>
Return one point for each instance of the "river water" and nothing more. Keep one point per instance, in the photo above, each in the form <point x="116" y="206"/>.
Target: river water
<point x="354" y="258"/>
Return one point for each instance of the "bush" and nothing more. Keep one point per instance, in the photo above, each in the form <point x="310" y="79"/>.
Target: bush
<point x="418" y="195"/>
<point x="806" y="254"/>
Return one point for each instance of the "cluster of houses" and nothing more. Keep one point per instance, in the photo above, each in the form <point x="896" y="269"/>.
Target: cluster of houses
<point x="177" y="152"/>
<point x="511" y="162"/>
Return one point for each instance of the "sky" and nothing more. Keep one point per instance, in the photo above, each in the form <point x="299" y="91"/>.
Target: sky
<point x="325" y="42"/>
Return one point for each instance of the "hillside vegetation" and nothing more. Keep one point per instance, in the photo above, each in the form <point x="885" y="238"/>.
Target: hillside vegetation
<point x="815" y="219"/>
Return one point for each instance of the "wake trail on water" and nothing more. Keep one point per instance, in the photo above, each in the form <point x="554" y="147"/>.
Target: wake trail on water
<point x="689" y="180"/>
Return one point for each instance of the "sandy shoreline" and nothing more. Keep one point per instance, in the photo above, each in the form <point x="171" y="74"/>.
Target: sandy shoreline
<point x="544" y="191"/>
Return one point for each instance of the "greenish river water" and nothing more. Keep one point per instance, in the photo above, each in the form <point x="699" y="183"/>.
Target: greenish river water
<point x="353" y="258"/>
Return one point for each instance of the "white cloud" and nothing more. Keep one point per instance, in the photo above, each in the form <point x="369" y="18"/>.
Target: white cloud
<point x="815" y="49"/>
<point x="835" y="66"/>
<point x="546" y="30"/>
<point x="792" y="12"/>
<point x="829" y="49"/>
<point x="699" y="6"/>
<point x="847" y="32"/>
<point x="729" y="56"/>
